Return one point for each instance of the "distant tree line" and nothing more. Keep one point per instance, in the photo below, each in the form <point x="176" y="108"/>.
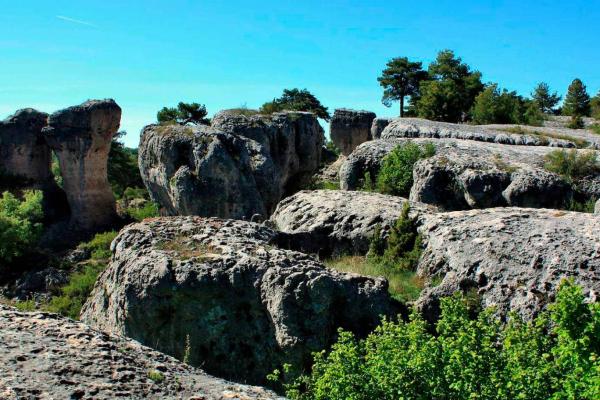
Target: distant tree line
<point x="449" y="90"/>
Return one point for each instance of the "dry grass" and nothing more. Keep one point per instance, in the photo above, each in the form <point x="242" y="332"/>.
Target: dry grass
<point x="545" y="136"/>
<point x="184" y="248"/>
<point x="404" y="285"/>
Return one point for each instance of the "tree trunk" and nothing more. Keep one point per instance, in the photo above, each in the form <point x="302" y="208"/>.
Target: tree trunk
<point x="401" y="106"/>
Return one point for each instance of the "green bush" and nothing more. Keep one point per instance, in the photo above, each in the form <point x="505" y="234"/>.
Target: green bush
<point x="99" y="246"/>
<point x="556" y="356"/>
<point x="20" y="224"/>
<point x="572" y="164"/>
<point x="148" y="210"/>
<point x="576" y="122"/>
<point x="403" y="247"/>
<point x="395" y="176"/>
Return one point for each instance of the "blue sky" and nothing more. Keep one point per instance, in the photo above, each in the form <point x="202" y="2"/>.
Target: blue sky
<point x="147" y="54"/>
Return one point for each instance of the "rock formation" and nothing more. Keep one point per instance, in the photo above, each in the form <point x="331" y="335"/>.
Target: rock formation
<point x="246" y="305"/>
<point x="81" y="138"/>
<point x="349" y="128"/>
<point x="511" y="258"/>
<point x="239" y="167"/>
<point x="45" y="356"/>
<point x="335" y="222"/>
<point x="470" y="174"/>
<point x="379" y="124"/>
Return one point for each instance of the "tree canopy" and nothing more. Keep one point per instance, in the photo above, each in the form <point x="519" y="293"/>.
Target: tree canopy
<point x="399" y="79"/>
<point x="123" y="170"/>
<point x="495" y="106"/>
<point x="184" y="114"/>
<point x="545" y="100"/>
<point x="577" y="100"/>
<point x="296" y="100"/>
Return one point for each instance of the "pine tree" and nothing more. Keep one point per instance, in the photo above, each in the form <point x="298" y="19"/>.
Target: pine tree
<point x="401" y="78"/>
<point x="595" y="106"/>
<point x="185" y="113"/>
<point x="545" y="100"/>
<point x="577" y="101"/>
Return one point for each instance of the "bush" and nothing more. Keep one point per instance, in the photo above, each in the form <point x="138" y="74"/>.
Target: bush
<point x="99" y="246"/>
<point x="556" y="356"/>
<point x="403" y="248"/>
<point x="20" y="224"/>
<point x="395" y="175"/>
<point x="576" y="122"/>
<point x="572" y="164"/>
<point x="148" y="210"/>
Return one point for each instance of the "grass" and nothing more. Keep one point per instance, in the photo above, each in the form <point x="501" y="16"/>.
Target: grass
<point x="572" y="164"/>
<point x="545" y="136"/>
<point x="503" y="165"/>
<point x="595" y="128"/>
<point x="586" y="207"/>
<point x="322" y="185"/>
<point x="156" y="376"/>
<point x="404" y="285"/>
<point x="184" y="248"/>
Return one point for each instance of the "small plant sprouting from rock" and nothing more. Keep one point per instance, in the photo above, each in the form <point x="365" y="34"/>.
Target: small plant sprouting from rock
<point x="572" y="164"/>
<point x="156" y="376"/>
<point x="396" y="174"/>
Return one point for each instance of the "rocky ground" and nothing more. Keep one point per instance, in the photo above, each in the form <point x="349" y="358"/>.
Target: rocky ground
<point x="45" y="356"/>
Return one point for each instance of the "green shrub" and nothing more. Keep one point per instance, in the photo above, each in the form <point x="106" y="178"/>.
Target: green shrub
<point x="587" y="206"/>
<point x="572" y="164"/>
<point x="148" y="210"/>
<point x="556" y="356"/>
<point x="366" y="184"/>
<point x="99" y="246"/>
<point x="20" y="224"/>
<point x="156" y="376"/>
<point x="595" y="128"/>
<point x="395" y="175"/>
<point x="576" y="122"/>
<point x="404" y="243"/>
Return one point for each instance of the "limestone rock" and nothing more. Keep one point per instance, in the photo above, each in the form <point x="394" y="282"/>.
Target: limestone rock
<point x="512" y="258"/>
<point x="336" y="222"/>
<point x="379" y="124"/>
<point x="349" y="128"/>
<point x="246" y="304"/>
<point x="239" y="167"/>
<point x="45" y="356"/>
<point x="597" y="207"/>
<point x="81" y="137"/>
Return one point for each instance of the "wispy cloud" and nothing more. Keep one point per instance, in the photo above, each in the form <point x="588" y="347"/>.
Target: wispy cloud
<point x="76" y="21"/>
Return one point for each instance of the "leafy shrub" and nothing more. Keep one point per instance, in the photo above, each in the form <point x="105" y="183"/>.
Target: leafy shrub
<point x="572" y="164"/>
<point x="329" y="145"/>
<point x="587" y="206"/>
<point x="403" y="248"/>
<point x="148" y="210"/>
<point x="395" y="175"/>
<point x="556" y="356"/>
<point x="99" y="246"/>
<point x="576" y="122"/>
<point x="20" y="224"/>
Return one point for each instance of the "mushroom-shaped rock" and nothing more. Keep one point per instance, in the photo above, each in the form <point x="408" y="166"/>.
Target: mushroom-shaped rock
<point x="349" y="128"/>
<point x="23" y="151"/>
<point x="81" y="137"/>
<point x="242" y="304"/>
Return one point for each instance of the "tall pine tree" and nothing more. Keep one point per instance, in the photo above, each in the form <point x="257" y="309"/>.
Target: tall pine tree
<point x="544" y="99"/>
<point x="577" y="101"/>
<point x="401" y="78"/>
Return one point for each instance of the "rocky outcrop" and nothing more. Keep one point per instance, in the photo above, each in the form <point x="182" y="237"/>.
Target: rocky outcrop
<point x="511" y="258"/>
<point x="239" y="167"/>
<point x="349" y="128"/>
<point x="335" y="222"/>
<point x="246" y="305"/>
<point x="45" y="356"/>
<point x="502" y="134"/>
<point x="81" y="137"/>
<point x="469" y="174"/>
<point x="379" y="124"/>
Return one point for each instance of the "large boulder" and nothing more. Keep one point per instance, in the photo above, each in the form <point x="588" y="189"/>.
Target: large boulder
<point x="379" y="124"/>
<point x="244" y="305"/>
<point x="239" y="167"/>
<point x="510" y="258"/>
<point x="81" y="138"/>
<point x="335" y="222"/>
<point x="470" y="174"/>
<point x="349" y="128"/>
<point x="45" y="356"/>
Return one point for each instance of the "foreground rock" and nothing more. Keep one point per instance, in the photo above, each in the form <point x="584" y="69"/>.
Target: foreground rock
<point x="45" y="356"/>
<point x="335" y="222"/>
<point x="379" y="124"/>
<point x="510" y="258"/>
<point x="239" y="167"/>
<point x="349" y="128"/>
<point x="502" y="134"/>
<point x="470" y="174"/>
<point x="81" y="137"/>
<point x="244" y="305"/>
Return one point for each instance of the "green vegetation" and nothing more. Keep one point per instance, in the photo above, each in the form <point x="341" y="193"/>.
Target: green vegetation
<point x="156" y="376"/>
<point x="579" y="142"/>
<point x="322" y="185"/>
<point x="587" y="206"/>
<point x="576" y="122"/>
<point x="399" y="79"/>
<point x="595" y="128"/>
<point x="572" y="164"/>
<point x="296" y="100"/>
<point x="595" y="106"/>
<point x="493" y="106"/>
<point x="329" y="145"/>
<point x="81" y="282"/>
<point x="20" y="224"/>
<point x="185" y="113"/>
<point x="556" y="356"/>
<point x="544" y="99"/>
<point x="395" y="175"/>
<point x="577" y="100"/>
<point x="123" y="171"/>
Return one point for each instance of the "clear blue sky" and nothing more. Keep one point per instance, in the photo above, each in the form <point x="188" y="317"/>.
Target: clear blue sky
<point x="151" y="53"/>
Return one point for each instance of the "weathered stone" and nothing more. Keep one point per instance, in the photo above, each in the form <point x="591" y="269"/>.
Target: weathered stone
<point x="470" y="174"/>
<point x="511" y="258"/>
<point x="40" y="281"/>
<point x="597" y="207"/>
<point x="81" y="137"/>
<point x="45" y="356"/>
<point x="239" y="167"/>
<point x="349" y="128"/>
<point x="379" y="124"/>
<point x="246" y="305"/>
<point x="336" y="222"/>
